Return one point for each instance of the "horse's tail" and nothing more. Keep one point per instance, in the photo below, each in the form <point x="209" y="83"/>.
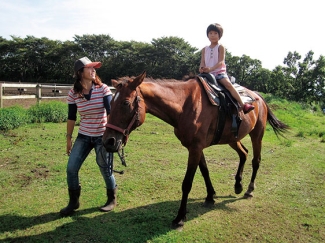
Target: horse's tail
<point x="278" y="126"/>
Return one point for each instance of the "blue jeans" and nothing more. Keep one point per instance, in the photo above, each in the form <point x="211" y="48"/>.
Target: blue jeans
<point x="221" y="76"/>
<point x="80" y="150"/>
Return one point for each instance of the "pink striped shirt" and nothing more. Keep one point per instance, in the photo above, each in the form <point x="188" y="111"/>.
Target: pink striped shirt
<point x="211" y="57"/>
<point x="93" y="117"/>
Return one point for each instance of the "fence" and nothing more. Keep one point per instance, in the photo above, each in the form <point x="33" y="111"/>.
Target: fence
<point x="56" y="91"/>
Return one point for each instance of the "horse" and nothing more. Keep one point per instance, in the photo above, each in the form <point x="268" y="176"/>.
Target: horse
<point x="186" y="107"/>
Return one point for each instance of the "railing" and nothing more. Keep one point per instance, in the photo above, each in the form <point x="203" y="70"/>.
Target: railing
<point x="22" y="89"/>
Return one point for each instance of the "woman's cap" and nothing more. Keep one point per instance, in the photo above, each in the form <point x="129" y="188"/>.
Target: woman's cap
<point x="85" y="62"/>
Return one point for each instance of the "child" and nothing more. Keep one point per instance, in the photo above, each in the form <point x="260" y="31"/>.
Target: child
<point x="213" y="61"/>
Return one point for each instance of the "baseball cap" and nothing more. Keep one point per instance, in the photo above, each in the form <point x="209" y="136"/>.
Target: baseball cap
<point x="85" y="62"/>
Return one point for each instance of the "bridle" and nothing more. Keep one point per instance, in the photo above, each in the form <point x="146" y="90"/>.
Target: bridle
<point x="135" y="119"/>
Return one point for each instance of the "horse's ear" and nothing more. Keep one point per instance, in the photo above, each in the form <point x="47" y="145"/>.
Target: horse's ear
<point x="114" y="83"/>
<point x="137" y="81"/>
<point x="144" y="74"/>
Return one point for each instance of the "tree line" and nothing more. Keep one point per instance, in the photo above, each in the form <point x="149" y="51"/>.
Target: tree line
<point x="41" y="60"/>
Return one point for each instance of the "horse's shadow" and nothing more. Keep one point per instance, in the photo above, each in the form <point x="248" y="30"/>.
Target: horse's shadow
<point x="139" y="224"/>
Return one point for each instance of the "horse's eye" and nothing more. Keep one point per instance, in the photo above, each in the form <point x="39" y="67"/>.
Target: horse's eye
<point x="126" y="102"/>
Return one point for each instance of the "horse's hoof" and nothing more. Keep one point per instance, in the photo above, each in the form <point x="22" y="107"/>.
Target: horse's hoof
<point x="238" y="189"/>
<point x="177" y="225"/>
<point x="248" y="195"/>
<point x="208" y="203"/>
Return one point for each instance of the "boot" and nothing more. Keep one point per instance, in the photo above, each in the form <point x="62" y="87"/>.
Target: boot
<point x="73" y="202"/>
<point x="111" y="200"/>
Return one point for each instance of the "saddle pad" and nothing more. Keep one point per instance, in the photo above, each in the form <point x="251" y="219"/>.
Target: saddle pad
<point x="212" y="95"/>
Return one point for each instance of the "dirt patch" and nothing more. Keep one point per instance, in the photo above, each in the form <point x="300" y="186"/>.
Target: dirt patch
<point x="47" y="94"/>
<point x="26" y="103"/>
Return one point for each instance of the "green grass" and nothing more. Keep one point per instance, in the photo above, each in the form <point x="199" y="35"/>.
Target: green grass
<point x="288" y="203"/>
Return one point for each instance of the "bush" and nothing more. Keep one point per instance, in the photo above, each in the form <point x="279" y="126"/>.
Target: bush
<point x="13" y="117"/>
<point x="52" y="111"/>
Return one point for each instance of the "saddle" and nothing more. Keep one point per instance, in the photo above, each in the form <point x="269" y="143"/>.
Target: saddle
<point x="228" y="106"/>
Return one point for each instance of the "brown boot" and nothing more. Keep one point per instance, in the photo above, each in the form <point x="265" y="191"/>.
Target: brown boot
<point x="111" y="200"/>
<point x="73" y="202"/>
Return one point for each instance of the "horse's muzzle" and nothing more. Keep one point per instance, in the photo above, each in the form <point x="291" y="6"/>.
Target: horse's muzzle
<point x="112" y="145"/>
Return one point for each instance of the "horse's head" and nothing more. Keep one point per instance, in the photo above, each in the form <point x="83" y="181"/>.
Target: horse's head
<point x="127" y="112"/>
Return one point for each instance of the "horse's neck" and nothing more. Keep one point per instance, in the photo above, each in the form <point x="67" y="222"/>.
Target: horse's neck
<point x="163" y="100"/>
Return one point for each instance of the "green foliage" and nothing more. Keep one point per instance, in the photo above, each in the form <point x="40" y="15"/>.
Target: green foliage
<point x="32" y="59"/>
<point x="12" y="117"/>
<point x="52" y="111"/>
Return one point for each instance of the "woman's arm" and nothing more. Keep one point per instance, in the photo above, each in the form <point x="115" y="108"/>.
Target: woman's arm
<point x="70" y="127"/>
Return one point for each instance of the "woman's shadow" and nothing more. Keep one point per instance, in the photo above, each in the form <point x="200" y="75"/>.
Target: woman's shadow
<point x="139" y="224"/>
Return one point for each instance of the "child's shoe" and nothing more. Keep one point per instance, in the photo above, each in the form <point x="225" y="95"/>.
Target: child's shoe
<point x="247" y="108"/>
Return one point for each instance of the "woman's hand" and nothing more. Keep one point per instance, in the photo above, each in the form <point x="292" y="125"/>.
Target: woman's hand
<point x="69" y="145"/>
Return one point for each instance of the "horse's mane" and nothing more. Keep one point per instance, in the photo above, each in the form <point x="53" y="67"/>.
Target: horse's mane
<point x="157" y="80"/>
<point x="150" y="79"/>
<point x="161" y="80"/>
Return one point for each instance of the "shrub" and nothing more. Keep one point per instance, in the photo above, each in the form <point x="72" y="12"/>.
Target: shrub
<point x="13" y="117"/>
<point x="52" y="111"/>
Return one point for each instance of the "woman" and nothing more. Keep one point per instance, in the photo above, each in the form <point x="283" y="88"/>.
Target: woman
<point x="91" y="98"/>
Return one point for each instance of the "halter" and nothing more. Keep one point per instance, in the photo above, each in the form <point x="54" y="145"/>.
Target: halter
<point x="135" y="118"/>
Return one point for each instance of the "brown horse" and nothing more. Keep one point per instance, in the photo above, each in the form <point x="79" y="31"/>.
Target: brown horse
<point x="186" y="107"/>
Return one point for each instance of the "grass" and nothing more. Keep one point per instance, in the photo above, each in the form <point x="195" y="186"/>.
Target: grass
<point x="288" y="204"/>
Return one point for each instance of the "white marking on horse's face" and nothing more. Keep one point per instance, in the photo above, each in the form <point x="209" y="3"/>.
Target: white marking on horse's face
<point x="116" y="96"/>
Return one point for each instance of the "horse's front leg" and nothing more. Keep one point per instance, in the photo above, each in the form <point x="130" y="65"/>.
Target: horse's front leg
<point x="193" y="161"/>
<point x="186" y="188"/>
<point x="205" y="173"/>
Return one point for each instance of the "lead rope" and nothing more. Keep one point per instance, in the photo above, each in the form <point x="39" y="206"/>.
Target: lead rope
<point x="122" y="158"/>
<point x="121" y="155"/>
<point x="111" y="157"/>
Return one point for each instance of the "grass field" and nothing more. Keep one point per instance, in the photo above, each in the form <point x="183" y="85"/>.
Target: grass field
<point x="288" y="203"/>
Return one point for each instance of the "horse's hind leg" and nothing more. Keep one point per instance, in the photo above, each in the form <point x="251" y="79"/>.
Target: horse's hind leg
<point x="257" y="145"/>
<point x="242" y="153"/>
<point x="256" y="137"/>
<point x="205" y="173"/>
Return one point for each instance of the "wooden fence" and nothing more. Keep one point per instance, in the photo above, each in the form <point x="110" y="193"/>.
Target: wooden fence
<point x="28" y="91"/>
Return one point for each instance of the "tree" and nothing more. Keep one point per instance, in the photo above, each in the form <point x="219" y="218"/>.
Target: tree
<point x="317" y="79"/>
<point x="244" y="69"/>
<point x="173" y="58"/>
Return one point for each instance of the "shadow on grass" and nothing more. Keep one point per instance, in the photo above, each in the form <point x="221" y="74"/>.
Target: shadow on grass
<point x="139" y="224"/>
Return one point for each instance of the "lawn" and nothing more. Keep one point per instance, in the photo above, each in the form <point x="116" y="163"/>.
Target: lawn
<point x="288" y="203"/>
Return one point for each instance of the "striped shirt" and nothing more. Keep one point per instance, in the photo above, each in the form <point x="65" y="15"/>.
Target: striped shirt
<point x="93" y="117"/>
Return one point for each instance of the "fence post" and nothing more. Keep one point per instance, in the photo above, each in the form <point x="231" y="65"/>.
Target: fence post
<point x="1" y="93"/>
<point x="54" y="90"/>
<point x="38" y="93"/>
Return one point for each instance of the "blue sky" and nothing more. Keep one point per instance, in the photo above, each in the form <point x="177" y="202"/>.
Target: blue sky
<point x="263" y="30"/>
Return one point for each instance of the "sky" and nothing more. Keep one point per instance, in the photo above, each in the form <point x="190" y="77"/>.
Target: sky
<point x="261" y="29"/>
